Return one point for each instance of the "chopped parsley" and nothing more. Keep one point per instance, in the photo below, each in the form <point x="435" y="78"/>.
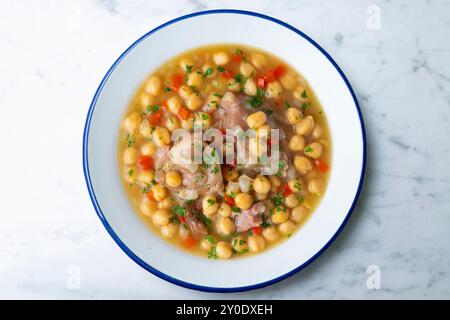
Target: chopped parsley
<point x="281" y="166"/>
<point x="167" y="89"/>
<point x="236" y="209"/>
<point x="268" y="112"/>
<point x="305" y="106"/>
<point x="239" y="78"/>
<point x="298" y="186"/>
<point x="220" y="69"/>
<point x="179" y="210"/>
<point x="257" y="100"/>
<point x="208" y="72"/>
<point x="130" y="172"/>
<point x="238" y="51"/>
<point x="218" y="95"/>
<point x="212" y="254"/>
<point x="309" y="150"/>
<point x="233" y="194"/>
<point x="147" y="188"/>
<point x="205" y="116"/>
<point x="215" y="170"/>
<point x="287" y="105"/>
<point x="131" y="140"/>
<point x="152" y="109"/>
<point x="210" y="239"/>
<point x="211" y="202"/>
<point x="189" y="69"/>
<point x="277" y="199"/>
<point x="304" y="95"/>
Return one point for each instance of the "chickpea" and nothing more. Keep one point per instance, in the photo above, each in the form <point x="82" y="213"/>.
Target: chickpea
<point x="255" y="147"/>
<point x="194" y="102"/>
<point x="146" y="100"/>
<point x="246" y="69"/>
<point x="174" y="103"/>
<point x="293" y="115"/>
<point x="161" y="137"/>
<point x="130" y="155"/>
<point x="305" y="126"/>
<point x="159" y="192"/>
<point x="296" y="185"/>
<point x="280" y="214"/>
<point x="188" y="123"/>
<point x="243" y="201"/>
<point x="256" y="243"/>
<point x="169" y="230"/>
<point x="261" y="184"/>
<point x="226" y="226"/>
<point x="186" y="63"/>
<point x="230" y="173"/>
<point x="223" y="250"/>
<point x="271" y="234"/>
<point x="161" y="217"/>
<point x="314" y="150"/>
<point x="250" y="88"/>
<point x="297" y="143"/>
<point x="316" y="186"/>
<point x="184" y="91"/>
<point x="317" y="132"/>
<point x="302" y="164"/>
<point x="273" y="90"/>
<point x="224" y="209"/>
<point x="129" y="174"/>
<point x="239" y="244"/>
<point x="291" y="201"/>
<point x="131" y="122"/>
<point x="146" y="176"/>
<point x="145" y="129"/>
<point x="209" y="205"/>
<point x="205" y="244"/>
<point x="153" y="85"/>
<point x="173" y="179"/>
<point x="263" y="132"/>
<point x="288" y="80"/>
<point x="276" y="182"/>
<point x="148" y="149"/>
<point x="172" y="123"/>
<point x="258" y="60"/>
<point x="167" y="203"/>
<point x="203" y="120"/>
<point x="301" y="94"/>
<point x="148" y="207"/>
<point x="261" y="196"/>
<point x="213" y="101"/>
<point x="287" y="227"/>
<point x="256" y="119"/>
<point x="299" y="213"/>
<point x="220" y="58"/>
<point x="195" y="79"/>
<point x="233" y="85"/>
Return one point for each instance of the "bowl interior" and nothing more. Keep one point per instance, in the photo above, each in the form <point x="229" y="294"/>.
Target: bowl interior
<point x="101" y="143"/>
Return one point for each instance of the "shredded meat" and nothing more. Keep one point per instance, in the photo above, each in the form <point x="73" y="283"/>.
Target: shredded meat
<point x="249" y="218"/>
<point x="231" y="113"/>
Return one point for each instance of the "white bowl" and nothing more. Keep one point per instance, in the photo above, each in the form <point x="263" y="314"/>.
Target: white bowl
<point x="144" y="56"/>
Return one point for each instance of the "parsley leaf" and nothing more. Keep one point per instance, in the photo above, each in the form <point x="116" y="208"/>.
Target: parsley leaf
<point x="131" y="140"/>
<point x="208" y="72"/>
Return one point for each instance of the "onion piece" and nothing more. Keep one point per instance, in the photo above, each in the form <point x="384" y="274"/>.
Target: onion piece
<point x="188" y="194"/>
<point x="244" y="183"/>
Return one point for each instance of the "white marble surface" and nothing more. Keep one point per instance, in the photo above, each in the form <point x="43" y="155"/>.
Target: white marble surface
<point x="53" y="54"/>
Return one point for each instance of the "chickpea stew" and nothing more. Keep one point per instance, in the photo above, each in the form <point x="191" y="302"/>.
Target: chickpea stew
<point x="214" y="209"/>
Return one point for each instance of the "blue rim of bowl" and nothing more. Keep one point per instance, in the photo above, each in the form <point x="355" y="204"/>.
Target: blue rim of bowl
<point x="116" y="238"/>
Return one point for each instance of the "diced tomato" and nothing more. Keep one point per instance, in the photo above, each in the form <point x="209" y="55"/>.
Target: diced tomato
<point x="189" y="242"/>
<point x="183" y="113"/>
<point x="257" y="230"/>
<point x="279" y="71"/>
<point x="261" y="82"/>
<point x="224" y="131"/>
<point x="155" y="118"/>
<point x="176" y="81"/>
<point x="321" y="165"/>
<point x="145" y="162"/>
<point x="181" y="219"/>
<point x="227" y="74"/>
<point x="150" y="195"/>
<point x="286" y="190"/>
<point x="229" y="200"/>
<point x="269" y="76"/>
<point x="237" y="58"/>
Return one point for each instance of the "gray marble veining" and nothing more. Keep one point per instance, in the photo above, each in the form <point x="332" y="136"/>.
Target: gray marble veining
<point x="395" y="54"/>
